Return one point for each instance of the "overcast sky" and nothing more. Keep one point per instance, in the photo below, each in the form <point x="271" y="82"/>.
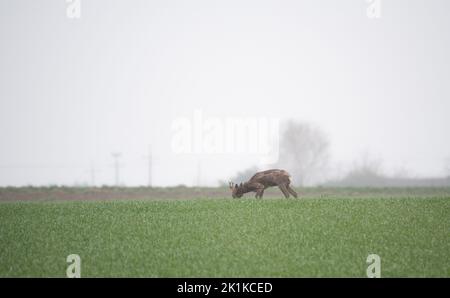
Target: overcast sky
<point x="74" y="90"/>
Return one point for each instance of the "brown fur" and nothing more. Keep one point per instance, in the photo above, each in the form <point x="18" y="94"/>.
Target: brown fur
<point x="262" y="180"/>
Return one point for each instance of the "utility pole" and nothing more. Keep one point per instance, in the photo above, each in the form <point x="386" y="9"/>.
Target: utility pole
<point x="116" y="156"/>
<point x="92" y="174"/>
<point x="199" y="173"/>
<point x="150" y="165"/>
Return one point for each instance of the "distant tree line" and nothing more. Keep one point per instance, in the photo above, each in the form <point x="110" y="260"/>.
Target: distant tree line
<point x="304" y="153"/>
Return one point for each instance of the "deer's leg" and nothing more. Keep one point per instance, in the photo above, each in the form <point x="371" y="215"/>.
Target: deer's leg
<point x="259" y="191"/>
<point x="292" y="192"/>
<point x="284" y="190"/>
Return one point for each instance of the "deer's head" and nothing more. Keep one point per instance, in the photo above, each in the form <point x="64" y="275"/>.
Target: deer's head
<point x="235" y="190"/>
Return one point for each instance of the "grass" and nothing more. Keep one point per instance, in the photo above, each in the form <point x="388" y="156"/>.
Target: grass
<point x="323" y="237"/>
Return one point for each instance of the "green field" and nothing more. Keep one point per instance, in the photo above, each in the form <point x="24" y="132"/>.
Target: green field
<point x="315" y="237"/>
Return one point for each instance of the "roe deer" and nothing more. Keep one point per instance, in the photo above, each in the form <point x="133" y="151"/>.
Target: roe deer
<point x="262" y="180"/>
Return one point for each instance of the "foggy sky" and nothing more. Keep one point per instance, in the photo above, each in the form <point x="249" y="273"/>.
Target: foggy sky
<point x="72" y="91"/>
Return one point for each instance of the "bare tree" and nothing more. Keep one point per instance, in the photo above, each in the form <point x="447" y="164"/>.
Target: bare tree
<point x="245" y="174"/>
<point x="304" y="152"/>
<point x="366" y="172"/>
